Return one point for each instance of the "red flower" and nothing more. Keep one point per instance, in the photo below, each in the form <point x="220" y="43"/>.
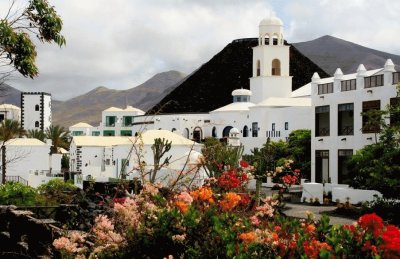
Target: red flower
<point x="372" y="223"/>
<point x="244" y="164"/>
<point x="391" y="242"/>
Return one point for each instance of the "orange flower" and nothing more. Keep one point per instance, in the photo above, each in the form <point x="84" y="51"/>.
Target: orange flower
<point x="310" y="229"/>
<point x="203" y="194"/>
<point x="274" y="236"/>
<point x="182" y="206"/>
<point x="248" y="237"/>
<point x="230" y="201"/>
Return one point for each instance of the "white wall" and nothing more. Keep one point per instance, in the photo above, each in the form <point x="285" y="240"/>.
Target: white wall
<point x="333" y="142"/>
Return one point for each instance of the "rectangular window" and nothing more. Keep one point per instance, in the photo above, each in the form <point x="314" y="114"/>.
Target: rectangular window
<point x="77" y="133"/>
<point x="348" y="85"/>
<point x="344" y="176"/>
<point x="396" y="77"/>
<point x="273" y="126"/>
<point x="322" y="166"/>
<point x="322" y="121"/>
<point x="325" y="88"/>
<point x="96" y="133"/>
<point x="108" y="133"/>
<point x="110" y="121"/>
<point x="254" y="129"/>
<point x="286" y="125"/>
<point x="373" y="81"/>
<point x="1" y="117"/>
<point x="128" y="120"/>
<point x="346" y="119"/>
<point x="370" y="120"/>
<point x="126" y="132"/>
<point x="395" y="111"/>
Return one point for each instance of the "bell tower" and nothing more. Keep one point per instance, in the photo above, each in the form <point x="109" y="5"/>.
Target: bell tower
<point x="270" y="62"/>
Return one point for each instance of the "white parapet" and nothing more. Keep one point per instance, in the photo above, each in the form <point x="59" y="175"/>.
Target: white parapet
<point x="312" y="191"/>
<point x="354" y="195"/>
<point x="328" y="186"/>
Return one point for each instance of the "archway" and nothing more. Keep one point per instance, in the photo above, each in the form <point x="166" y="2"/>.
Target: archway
<point x="276" y="67"/>
<point x="186" y="131"/>
<point x="258" y="69"/>
<point x="225" y="132"/>
<point x="197" y="134"/>
<point x="214" y="132"/>
<point x="245" y="131"/>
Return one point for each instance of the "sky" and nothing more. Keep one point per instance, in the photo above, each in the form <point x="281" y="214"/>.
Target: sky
<point x="122" y="43"/>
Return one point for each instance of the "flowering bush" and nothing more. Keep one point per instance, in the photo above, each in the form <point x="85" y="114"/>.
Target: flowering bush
<point x="204" y="224"/>
<point x="286" y="175"/>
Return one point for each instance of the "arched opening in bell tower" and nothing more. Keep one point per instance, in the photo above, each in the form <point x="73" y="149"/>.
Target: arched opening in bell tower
<point x="276" y="67"/>
<point x="258" y="69"/>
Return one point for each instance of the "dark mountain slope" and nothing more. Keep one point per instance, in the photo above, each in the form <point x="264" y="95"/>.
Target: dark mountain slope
<point x="211" y="85"/>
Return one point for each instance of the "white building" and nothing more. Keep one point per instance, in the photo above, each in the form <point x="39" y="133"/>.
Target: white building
<point x="102" y="157"/>
<point x="10" y="112"/>
<point x="36" y="110"/>
<point x="268" y="109"/>
<point x="29" y="159"/>
<point x="81" y="129"/>
<point x="337" y="124"/>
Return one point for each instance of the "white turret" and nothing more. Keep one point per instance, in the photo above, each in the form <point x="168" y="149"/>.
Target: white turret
<point x="270" y="62"/>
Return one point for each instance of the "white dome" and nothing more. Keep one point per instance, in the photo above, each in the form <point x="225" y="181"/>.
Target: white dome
<point x="234" y="131"/>
<point x="241" y="92"/>
<point x="272" y="20"/>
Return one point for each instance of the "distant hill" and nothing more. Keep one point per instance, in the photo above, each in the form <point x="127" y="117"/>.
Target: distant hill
<point x="10" y="95"/>
<point x="330" y="53"/>
<point x="210" y="87"/>
<point x="88" y="107"/>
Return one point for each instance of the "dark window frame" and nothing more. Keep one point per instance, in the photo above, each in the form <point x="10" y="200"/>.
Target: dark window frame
<point x="349" y="129"/>
<point x="348" y="85"/>
<point x="369" y="105"/>
<point x="396" y="77"/>
<point x="322" y="132"/>
<point x="373" y="81"/>
<point x="325" y="88"/>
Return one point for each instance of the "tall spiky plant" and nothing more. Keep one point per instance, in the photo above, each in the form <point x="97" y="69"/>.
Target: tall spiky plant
<point x="59" y="138"/>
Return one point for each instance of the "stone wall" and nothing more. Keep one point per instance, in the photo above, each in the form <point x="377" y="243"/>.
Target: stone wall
<point x="22" y="235"/>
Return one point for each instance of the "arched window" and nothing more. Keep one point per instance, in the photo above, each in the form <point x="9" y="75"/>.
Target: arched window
<point x="186" y="133"/>
<point x="258" y="68"/>
<point x="245" y="131"/>
<point x="276" y="67"/>
<point x="197" y="134"/>
<point x="225" y="132"/>
<point x="214" y="132"/>
<point x="36" y="124"/>
<point x="37" y="107"/>
<point x="275" y="40"/>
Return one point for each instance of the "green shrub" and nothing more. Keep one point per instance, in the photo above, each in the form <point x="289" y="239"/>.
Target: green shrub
<point x="13" y="193"/>
<point x="56" y="191"/>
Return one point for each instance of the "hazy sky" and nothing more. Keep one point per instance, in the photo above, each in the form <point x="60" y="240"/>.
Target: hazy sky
<point x="121" y="43"/>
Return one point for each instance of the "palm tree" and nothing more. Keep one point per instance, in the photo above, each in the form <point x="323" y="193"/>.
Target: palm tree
<point x="37" y="134"/>
<point x="9" y="129"/>
<point x="59" y="138"/>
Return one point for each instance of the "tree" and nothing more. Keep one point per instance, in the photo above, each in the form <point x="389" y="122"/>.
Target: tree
<point x="377" y="166"/>
<point x="58" y="136"/>
<point x="9" y="129"/>
<point x="299" y="150"/>
<point x="17" y="49"/>
<point x="37" y="134"/>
